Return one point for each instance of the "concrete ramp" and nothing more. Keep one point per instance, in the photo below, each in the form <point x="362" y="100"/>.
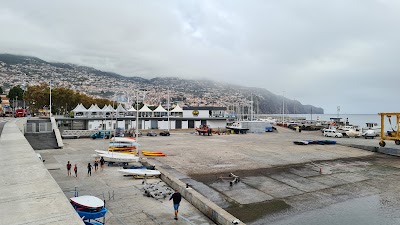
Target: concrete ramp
<point x="29" y="194"/>
<point x="40" y="141"/>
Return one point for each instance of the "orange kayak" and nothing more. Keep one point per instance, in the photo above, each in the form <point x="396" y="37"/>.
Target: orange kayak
<point x="146" y="153"/>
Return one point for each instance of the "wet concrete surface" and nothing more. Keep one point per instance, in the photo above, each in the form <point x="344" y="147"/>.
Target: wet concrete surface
<point x="278" y="180"/>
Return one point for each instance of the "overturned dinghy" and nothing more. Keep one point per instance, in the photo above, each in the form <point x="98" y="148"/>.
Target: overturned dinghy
<point x="314" y="142"/>
<point x="140" y="173"/>
<point x="300" y="142"/>
<point x="88" y="207"/>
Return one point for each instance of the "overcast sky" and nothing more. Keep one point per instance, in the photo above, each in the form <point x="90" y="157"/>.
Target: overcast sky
<point x="325" y="53"/>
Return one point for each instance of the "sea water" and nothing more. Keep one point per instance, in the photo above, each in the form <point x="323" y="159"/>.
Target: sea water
<point x="361" y="211"/>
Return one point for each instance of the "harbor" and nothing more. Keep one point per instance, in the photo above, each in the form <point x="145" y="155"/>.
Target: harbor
<point x="278" y="179"/>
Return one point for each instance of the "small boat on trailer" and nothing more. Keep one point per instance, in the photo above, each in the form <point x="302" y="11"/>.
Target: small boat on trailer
<point x="89" y="208"/>
<point x="204" y="130"/>
<point x="119" y="157"/>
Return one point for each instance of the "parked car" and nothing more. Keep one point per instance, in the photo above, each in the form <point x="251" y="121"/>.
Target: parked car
<point x="101" y="134"/>
<point x="164" y="133"/>
<point x="332" y="133"/>
<point x="119" y="132"/>
<point x="151" y="133"/>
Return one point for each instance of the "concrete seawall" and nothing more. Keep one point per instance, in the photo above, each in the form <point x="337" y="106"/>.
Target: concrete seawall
<point x="29" y="194"/>
<point x="207" y="207"/>
<point x="387" y="151"/>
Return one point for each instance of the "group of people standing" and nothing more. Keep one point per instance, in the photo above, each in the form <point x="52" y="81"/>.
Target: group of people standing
<point x="89" y="167"/>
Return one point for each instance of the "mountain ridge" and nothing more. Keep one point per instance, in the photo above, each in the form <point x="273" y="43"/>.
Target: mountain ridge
<point x="206" y="91"/>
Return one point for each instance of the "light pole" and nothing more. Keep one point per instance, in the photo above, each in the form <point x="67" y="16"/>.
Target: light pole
<point x="137" y="122"/>
<point x="15" y="106"/>
<point x="50" y="101"/>
<point x="169" y="125"/>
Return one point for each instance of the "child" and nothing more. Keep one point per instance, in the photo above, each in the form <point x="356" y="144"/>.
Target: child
<point x="96" y="165"/>
<point x="76" y="170"/>
<point x="102" y="163"/>
<point x="69" y="168"/>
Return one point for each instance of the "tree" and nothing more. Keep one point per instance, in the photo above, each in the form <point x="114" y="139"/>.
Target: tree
<point x="16" y="92"/>
<point x="37" y="96"/>
<point x="63" y="99"/>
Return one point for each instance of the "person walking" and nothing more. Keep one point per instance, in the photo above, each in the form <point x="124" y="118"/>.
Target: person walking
<point x="102" y="162"/>
<point x="89" y="169"/>
<point x="96" y="165"/>
<point x="69" y="168"/>
<point x="177" y="197"/>
<point x="76" y="170"/>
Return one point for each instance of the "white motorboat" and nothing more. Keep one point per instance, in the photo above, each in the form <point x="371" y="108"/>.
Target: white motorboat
<point x="140" y="172"/>
<point x="237" y="127"/>
<point x="372" y="126"/>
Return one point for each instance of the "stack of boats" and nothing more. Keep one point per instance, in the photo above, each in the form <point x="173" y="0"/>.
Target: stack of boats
<point x="89" y="208"/>
<point x="122" y="144"/>
<point x="120" y="150"/>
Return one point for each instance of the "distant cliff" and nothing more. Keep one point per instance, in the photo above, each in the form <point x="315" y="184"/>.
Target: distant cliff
<point x="207" y="92"/>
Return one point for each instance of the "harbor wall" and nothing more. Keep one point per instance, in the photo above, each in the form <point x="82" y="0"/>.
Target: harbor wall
<point x="387" y="151"/>
<point x="203" y="204"/>
<point x="30" y="195"/>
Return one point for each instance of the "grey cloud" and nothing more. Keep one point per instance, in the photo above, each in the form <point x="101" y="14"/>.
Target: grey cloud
<point x="325" y="53"/>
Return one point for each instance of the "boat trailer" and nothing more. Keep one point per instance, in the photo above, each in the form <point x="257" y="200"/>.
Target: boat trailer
<point x="232" y="177"/>
<point x="393" y="135"/>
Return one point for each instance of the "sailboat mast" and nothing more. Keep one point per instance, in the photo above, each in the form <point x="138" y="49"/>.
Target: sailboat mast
<point x="251" y="108"/>
<point x="283" y="107"/>
<point x="169" y="124"/>
<point x="137" y="122"/>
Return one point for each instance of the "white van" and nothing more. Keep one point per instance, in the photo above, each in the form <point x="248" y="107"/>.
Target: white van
<point x="332" y="133"/>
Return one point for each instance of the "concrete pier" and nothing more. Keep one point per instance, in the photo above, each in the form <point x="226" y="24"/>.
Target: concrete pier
<point x="29" y="194"/>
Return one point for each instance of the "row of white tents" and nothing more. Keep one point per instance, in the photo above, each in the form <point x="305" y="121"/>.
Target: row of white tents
<point x="108" y="111"/>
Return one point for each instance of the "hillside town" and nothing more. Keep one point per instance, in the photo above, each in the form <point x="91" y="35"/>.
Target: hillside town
<point x="118" y="88"/>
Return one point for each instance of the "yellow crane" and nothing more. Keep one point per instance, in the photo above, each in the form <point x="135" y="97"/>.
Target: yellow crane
<point x="393" y="135"/>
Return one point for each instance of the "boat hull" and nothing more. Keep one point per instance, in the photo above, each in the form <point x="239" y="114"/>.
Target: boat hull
<point x="123" y="158"/>
<point x="140" y="172"/>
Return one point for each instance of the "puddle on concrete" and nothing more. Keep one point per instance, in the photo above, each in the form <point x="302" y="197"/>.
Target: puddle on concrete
<point x="361" y="211"/>
<point x="255" y="211"/>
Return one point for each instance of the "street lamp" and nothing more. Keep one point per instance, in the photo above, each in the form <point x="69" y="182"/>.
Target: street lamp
<point x="50" y="100"/>
<point x="137" y="118"/>
<point x="169" y="124"/>
<point x="137" y="122"/>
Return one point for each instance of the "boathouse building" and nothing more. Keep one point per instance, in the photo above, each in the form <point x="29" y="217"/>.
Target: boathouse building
<point x="109" y="118"/>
